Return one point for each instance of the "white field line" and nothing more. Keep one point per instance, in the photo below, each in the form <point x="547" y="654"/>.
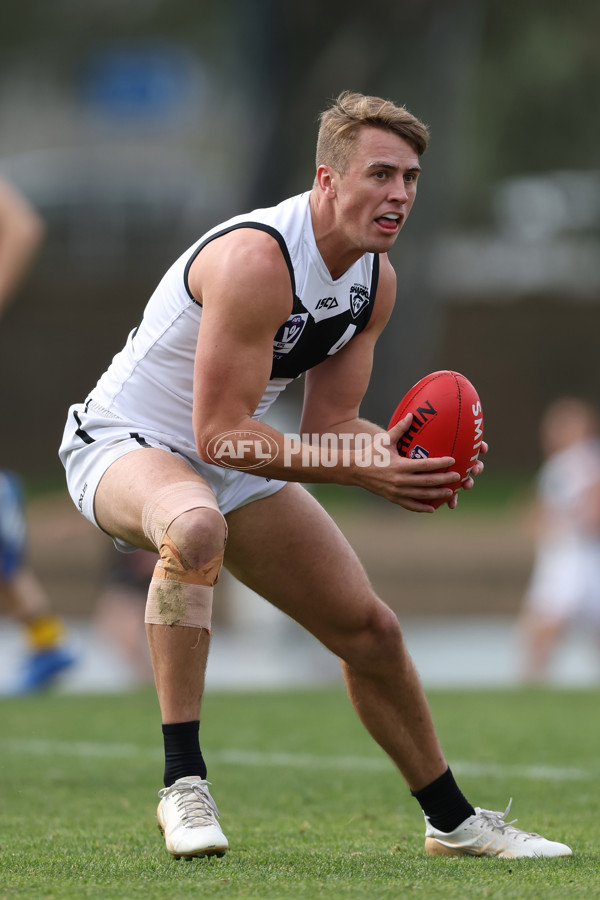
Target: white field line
<point x="258" y="758"/>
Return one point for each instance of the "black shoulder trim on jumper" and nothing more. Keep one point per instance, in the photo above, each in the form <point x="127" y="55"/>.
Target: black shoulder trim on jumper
<point x="259" y="226"/>
<point x="374" y="285"/>
<point x="375" y="276"/>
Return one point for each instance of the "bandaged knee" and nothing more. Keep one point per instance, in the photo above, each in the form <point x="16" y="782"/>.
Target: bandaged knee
<point x="179" y="593"/>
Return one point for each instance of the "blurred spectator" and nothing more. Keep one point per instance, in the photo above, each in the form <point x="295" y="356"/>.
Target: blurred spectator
<point x="21" y="594"/>
<point x="564" y="588"/>
<point x="121" y="605"/>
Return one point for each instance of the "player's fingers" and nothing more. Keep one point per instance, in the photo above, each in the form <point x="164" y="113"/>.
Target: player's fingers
<point x="415" y="505"/>
<point x="418" y="467"/>
<point x="424" y="494"/>
<point x="478" y="468"/>
<point x="435" y="464"/>
<point x="425" y="478"/>
<point x="430" y="464"/>
<point x="401" y="426"/>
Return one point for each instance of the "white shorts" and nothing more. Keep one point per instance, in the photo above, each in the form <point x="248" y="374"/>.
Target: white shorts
<point x="565" y="583"/>
<point x="94" y="438"/>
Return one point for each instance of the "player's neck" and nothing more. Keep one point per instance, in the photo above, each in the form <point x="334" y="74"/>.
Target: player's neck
<point x="336" y="251"/>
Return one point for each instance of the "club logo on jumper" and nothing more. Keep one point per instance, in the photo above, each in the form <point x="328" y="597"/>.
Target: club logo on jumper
<point x="421" y="415"/>
<point x="289" y="333"/>
<point x="359" y="297"/>
<point x="241" y="450"/>
<point x="418" y="452"/>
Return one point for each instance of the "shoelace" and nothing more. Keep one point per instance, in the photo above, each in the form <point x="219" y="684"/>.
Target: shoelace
<point x="193" y="801"/>
<point x="497" y="820"/>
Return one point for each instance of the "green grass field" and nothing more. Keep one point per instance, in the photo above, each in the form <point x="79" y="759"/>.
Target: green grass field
<point x="311" y="806"/>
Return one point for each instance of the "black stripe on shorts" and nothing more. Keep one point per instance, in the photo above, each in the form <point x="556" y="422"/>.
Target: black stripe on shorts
<point x="85" y="437"/>
<point x="138" y="437"/>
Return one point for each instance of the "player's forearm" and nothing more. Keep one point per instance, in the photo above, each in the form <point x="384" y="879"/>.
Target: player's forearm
<point x="325" y="457"/>
<point x="349" y="426"/>
<point x="346" y="458"/>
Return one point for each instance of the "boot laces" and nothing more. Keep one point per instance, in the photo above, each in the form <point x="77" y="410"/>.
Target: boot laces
<point x="194" y="802"/>
<point x="498" y="821"/>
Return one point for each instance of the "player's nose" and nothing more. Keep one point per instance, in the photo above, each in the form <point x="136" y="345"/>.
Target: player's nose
<point x="398" y="192"/>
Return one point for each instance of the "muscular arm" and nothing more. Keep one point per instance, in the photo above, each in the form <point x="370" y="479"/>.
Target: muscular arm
<point x="244" y="286"/>
<point x="21" y="232"/>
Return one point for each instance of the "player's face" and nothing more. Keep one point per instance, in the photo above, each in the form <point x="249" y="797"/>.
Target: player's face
<point x="376" y="193"/>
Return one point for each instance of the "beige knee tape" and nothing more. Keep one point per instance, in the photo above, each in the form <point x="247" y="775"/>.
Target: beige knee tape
<point x="179" y="594"/>
<point x="174" y="603"/>
<point x="171" y="501"/>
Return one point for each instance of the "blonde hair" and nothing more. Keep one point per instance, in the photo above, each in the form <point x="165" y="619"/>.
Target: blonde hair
<point x="341" y="122"/>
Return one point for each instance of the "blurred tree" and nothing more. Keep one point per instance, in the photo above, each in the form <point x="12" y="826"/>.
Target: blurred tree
<point x="533" y="105"/>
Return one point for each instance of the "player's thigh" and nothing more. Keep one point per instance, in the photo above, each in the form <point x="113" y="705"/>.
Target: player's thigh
<point x="288" y="549"/>
<point x="126" y="486"/>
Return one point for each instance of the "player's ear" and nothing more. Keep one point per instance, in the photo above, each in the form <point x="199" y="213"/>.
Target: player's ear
<point x="326" y="180"/>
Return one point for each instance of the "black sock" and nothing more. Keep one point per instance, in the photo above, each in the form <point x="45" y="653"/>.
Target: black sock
<point x="443" y="803"/>
<point x="183" y="756"/>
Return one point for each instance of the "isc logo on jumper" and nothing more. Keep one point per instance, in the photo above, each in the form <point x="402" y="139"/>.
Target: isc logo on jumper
<point x="327" y="303"/>
<point x="418" y="452"/>
<point x="289" y="333"/>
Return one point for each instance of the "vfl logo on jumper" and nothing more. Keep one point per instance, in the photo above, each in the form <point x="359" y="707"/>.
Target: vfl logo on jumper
<point x="421" y="415"/>
<point x="289" y="333"/>
<point x="359" y="297"/>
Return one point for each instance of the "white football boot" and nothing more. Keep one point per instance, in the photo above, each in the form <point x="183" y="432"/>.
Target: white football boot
<point x="488" y="834"/>
<point x="188" y="818"/>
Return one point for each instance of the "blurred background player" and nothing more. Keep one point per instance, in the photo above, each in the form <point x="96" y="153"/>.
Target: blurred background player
<point x="565" y="583"/>
<point x="120" y="608"/>
<point x="21" y="594"/>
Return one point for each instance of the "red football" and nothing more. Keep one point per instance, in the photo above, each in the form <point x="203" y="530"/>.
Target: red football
<point x="447" y="421"/>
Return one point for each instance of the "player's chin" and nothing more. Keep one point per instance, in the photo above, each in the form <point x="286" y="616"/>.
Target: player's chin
<point x="383" y="239"/>
<point x="385" y="243"/>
